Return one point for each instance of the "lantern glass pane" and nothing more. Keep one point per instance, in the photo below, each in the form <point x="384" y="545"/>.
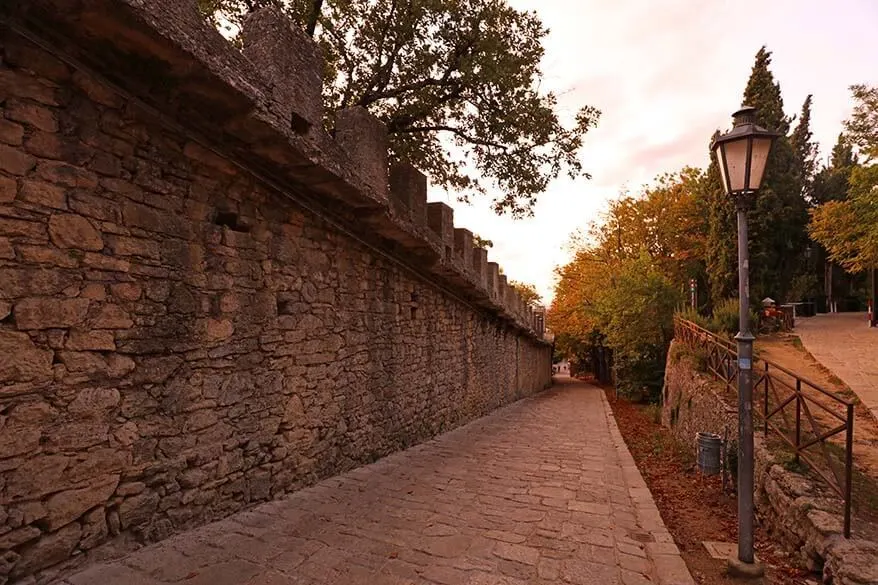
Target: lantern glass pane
<point x="722" y="167"/>
<point x="736" y="160"/>
<point x="759" y="158"/>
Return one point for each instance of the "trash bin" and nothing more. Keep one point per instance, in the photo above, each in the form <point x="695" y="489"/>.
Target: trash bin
<point x="709" y="447"/>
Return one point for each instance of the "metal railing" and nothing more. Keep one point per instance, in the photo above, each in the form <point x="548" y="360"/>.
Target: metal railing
<point x="777" y="388"/>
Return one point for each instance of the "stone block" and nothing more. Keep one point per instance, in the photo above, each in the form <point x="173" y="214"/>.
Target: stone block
<point x="94" y="528"/>
<point x="96" y="366"/>
<point x="36" y="477"/>
<point x="126" y="291"/>
<point x="8" y="189"/>
<point x="35" y="115"/>
<point x="290" y="62"/>
<point x="11" y="133"/>
<point x="21" y="360"/>
<point x="94" y="402"/>
<point x="15" y="161"/>
<point x="91" y="340"/>
<point x="74" y="231"/>
<point x="44" y="194"/>
<point x="48" y="550"/>
<point x="45" y="313"/>
<point x="138" y="510"/>
<point x="364" y="138"/>
<point x="408" y="192"/>
<point x="111" y="316"/>
<point x="18" y="536"/>
<point x="65" y="507"/>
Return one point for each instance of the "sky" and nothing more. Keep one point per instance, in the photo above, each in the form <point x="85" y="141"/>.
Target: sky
<point x="666" y="74"/>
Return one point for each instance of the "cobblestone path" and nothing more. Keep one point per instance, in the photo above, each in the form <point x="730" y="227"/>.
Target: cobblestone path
<point x="542" y="491"/>
<point x="845" y="344"/>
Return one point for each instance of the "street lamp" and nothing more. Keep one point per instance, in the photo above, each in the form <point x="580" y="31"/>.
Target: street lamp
<point x="742" y="154"/>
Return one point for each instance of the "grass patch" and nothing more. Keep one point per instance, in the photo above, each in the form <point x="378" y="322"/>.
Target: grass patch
<point x="654" y="412"/>
<point x="864" y="490"/>
<point x="833" y="379"/>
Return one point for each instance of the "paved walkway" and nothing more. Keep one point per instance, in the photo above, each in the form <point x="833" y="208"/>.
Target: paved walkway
<point x="543" y="491"/>
<point x="844" y="343"/>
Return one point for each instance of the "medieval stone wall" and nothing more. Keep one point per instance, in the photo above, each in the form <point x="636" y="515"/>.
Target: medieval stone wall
<point x="184" y="331"/>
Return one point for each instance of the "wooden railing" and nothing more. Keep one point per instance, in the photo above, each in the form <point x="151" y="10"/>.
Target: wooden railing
<point x="775" y="388"/>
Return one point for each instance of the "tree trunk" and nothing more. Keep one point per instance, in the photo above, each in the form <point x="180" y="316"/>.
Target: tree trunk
<point x="873" y="277"/>
<point x="316" y="8"/>
<point x="827" y="284"/>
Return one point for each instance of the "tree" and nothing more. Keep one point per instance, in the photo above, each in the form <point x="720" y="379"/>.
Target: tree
<point x="805" y="150"/>
<point x="847" y="223"/>
<point x="528" y="293"/>
<point x="621" y="288"/>
<point x="457" y="82"/>
<point x="480" y="242"/>
<point x="721" y="259"/>
<point x="664" y="221"/>
<point x="778" y="217"/>
<point x="636" y="316"/>
<point x="862" y="126"/>
<point x="849" y="229"/>
<point x="831" y="181"/>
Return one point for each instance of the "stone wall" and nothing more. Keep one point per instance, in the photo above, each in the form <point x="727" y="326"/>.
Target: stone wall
<point x="205" y="300"/>
<point x="801" y="514"/>
<point x="693" y="403"/>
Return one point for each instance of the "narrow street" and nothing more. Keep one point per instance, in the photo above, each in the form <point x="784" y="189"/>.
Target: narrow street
<point x="844" y="343"/>
<point x="543" y="491"/>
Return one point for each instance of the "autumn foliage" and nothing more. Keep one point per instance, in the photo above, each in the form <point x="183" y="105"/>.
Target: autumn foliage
<point x="626" y="279"/>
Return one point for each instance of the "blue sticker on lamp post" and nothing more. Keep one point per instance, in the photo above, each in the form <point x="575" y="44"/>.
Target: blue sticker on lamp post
<point x="743" y="363"/>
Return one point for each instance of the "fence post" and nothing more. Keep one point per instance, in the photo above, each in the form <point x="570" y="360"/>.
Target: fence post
<point x="765" y="404"/>
<point x="798" y="416"/>
<point x="848" y="470"/>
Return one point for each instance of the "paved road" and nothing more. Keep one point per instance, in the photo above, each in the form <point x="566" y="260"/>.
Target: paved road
<point x="845" y="344"/>
<point x="543" y="491"/>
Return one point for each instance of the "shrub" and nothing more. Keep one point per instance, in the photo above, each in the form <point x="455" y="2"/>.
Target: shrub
<point x="690" y="314"/>
<point x="724" y="320"/>
<point x="636" y="315"/>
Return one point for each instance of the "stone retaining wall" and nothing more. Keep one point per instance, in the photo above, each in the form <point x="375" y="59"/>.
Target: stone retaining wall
<point x="802" y="515"/>
<point x="205" y="300"/>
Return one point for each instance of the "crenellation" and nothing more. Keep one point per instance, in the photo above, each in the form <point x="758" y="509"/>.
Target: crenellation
<point x="440" y="219"/>
<point x="364" y="138"/>
<point x="463" y="248"/>
<point x="480" y="266"/>
<point x="408" y="191"/>
<point x="291" y="64"/>
<point x="493" y="281"/>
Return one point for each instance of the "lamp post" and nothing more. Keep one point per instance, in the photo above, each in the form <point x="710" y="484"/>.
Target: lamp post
<point x="742" y="154"/>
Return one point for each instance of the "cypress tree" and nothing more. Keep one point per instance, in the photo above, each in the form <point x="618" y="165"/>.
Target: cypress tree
<point x="805" y="150"/>
<point x="778" y="217"/>
<point x="720" y="247"/>
<point x="831" y="182"/>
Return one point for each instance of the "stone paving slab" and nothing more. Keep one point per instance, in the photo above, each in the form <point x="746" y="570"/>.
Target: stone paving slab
<point x="543" y="491"/>
<point x="844" y="343"/>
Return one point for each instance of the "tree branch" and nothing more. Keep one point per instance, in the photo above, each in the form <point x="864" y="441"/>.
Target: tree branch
<point x="316" y="8"/>
<point x="453" y="130"/>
